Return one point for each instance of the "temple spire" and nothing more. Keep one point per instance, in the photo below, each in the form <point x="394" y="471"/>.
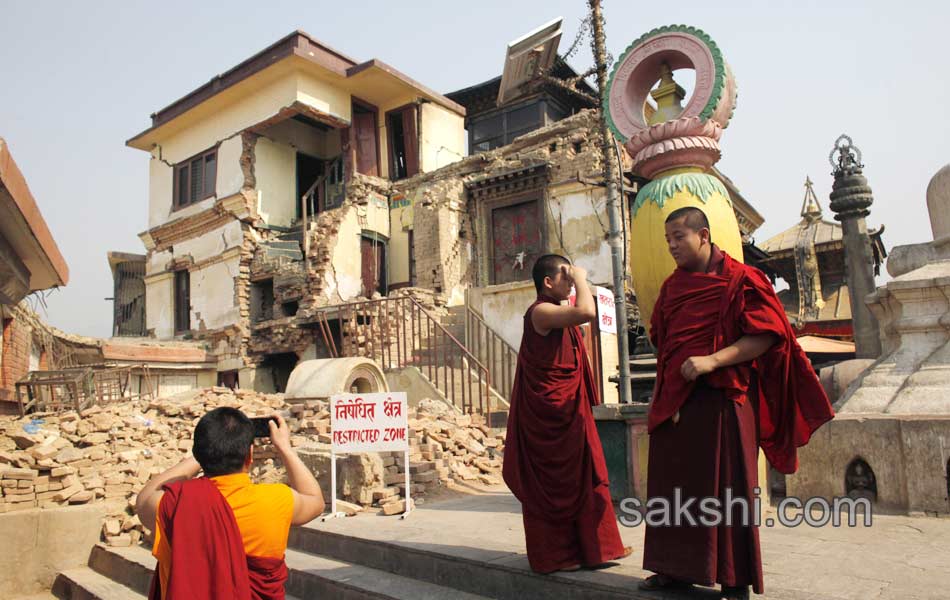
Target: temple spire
<point x="811" y="210"/>
<point x="668" y="97"/>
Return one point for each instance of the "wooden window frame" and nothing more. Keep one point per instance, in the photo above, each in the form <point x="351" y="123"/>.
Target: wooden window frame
<point x="390" y="152"/>
<point x="186" y="165"/>
<point x="354" y="146"/>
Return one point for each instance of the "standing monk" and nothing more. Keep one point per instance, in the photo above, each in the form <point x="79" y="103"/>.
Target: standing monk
<point x="553" y="460"/>
<point x="730" y="377"/>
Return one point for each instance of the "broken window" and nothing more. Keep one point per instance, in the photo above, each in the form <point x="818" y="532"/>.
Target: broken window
<point x="501" y="128"/>
<point x="403" y="143"/>
<point x="290" y="308"/>
<point x="262" y="300"/>
<point x="182" y="301"/>
<point x="194" y="178"/>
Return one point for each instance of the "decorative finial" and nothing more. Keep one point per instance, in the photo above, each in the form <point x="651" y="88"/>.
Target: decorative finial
<point x="849" y="155"/>
<point x="811" y="209"/>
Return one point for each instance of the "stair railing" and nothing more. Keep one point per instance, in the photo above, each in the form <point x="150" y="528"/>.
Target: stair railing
<point x="491" y="350"/>
<point x="400" y="332"/>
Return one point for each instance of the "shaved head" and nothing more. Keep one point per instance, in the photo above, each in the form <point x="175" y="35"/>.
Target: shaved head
<point x="692" y="217"/>
<point x="546" y="266"/>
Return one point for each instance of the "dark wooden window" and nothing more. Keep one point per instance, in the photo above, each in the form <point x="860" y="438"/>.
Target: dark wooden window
<point x="493" y="130"/>
<point x="195" y="177"/>
<point x="182" y="301"/>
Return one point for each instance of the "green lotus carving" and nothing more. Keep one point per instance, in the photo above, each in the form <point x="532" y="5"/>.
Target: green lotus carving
<point x="659" y="191"/>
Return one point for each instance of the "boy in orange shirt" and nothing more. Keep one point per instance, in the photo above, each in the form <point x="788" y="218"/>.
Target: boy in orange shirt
<point x="221" y="536"/>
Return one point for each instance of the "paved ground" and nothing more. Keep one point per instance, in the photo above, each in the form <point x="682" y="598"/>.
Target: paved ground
<point x="896" y="558"/>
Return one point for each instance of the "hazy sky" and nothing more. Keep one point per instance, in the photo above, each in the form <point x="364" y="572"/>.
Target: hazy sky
<point x="77" y="79"/>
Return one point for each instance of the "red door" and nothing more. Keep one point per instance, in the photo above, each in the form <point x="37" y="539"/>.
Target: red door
<point x="516" y="241"/>
<point x="373" y="254"/>
<point x="367" y="160"/>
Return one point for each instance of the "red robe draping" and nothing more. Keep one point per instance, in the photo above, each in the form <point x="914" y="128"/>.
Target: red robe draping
<point x="698" y="314"/>
<point x="554" y="463"/>
<point x="208" y="557"/>
<point x="712" y="450"/>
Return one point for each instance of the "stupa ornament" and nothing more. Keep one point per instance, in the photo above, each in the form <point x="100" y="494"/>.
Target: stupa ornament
<point x="675" y="146"/>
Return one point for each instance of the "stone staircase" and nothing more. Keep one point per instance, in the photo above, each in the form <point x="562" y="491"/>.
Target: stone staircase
<point x="125" y="574"/>
<point x="331" y="564"/>
<point x="455" y="372"/>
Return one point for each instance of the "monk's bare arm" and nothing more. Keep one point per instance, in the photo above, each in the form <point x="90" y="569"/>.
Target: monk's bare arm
<point x="546" y="316"/>
<point x="308" y="498"/>
<point x="146" y="503"/>
<point x="746" y="348"/>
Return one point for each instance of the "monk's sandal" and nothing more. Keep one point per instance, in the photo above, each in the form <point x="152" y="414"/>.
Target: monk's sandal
<point x="662" y="582"/>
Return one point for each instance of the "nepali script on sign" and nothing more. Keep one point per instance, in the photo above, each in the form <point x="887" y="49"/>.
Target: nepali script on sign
<point x="369" y="422"/>
<point x="606" y="311"/>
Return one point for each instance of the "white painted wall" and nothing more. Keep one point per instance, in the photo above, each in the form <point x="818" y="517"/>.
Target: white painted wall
<point x="577" y="219"/>
<point x="443" y="137"/>
<point x="228" y="181"/>
<point x="211" y="244"/>
<point x="212" y="294"/>
<point x="159" y="304"/>
<point x="275" y="169"/>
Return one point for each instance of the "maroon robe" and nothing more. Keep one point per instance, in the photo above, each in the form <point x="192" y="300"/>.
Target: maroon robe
<point x="553" y="462"/>
<point x="775" y="402"/>
<point x="208" y="558"/>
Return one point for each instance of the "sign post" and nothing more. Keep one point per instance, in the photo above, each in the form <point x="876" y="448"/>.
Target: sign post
<point x="368" y="423"/>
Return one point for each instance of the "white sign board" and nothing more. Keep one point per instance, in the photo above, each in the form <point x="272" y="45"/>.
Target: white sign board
<point x="606" y="310"/>
<point x="369" y="423"/>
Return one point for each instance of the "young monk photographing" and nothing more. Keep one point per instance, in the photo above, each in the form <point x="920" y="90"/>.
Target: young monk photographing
<point x="221" y="536"/>
<point x="730" y="377"/>
<point x="554" y="463"/>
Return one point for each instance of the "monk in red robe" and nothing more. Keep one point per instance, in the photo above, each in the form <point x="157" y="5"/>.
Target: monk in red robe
<point x="730" y="378"/>
<point x="553" y="462"/>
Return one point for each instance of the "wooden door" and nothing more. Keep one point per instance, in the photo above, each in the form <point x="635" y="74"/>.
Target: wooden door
<point x="410" y="141"/>
<point x="367" y="159"/>
<point x="373" y="259"/>
<point x="516" y="241"/>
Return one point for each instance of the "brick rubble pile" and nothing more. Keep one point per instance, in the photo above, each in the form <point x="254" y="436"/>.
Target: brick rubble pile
<point x="107" y="453"/>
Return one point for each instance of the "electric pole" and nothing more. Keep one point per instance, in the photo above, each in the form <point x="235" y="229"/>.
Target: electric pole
<point x="611" y="173"/>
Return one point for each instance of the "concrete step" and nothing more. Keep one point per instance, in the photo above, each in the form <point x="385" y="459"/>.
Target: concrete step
<point x="283" y="245"/>
<point x="311" y="576"/>
<point x="465" y="571"/>
<point x="85" y="584"/>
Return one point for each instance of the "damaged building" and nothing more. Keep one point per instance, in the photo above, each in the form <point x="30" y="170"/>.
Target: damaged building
<point x="305" y="205"/>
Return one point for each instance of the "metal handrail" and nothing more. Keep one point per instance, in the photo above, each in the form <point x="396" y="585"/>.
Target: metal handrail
<point x="303" y="203"/>
<point x="475" y="329"/>
<point x="421" y="331"/>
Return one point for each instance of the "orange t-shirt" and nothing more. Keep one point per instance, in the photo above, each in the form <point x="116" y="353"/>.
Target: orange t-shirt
<point x="263" y="512"/>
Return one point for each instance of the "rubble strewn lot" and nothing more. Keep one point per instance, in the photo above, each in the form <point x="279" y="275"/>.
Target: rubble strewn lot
<point x="106" y="453"/>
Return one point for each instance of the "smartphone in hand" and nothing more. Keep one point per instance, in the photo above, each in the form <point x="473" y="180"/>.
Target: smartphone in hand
<point x="261" y="427"/>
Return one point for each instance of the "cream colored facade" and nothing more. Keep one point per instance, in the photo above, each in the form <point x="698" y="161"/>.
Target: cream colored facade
<point x="301" y="104"/>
